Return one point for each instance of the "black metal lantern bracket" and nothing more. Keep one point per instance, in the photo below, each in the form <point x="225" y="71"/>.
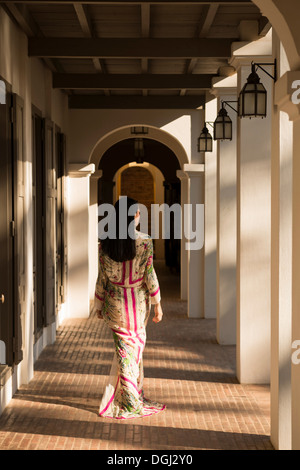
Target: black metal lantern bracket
<point x="274" y="64"/>
<point x="210" y="123"/>
<point x="228" y="104"/>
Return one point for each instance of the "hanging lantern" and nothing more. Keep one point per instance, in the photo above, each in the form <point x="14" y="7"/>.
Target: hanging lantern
<point x="223" y="126"/>
<point x="253" y="97"/>
<point x="205" y="141"/>
<point x="139" y="152"/>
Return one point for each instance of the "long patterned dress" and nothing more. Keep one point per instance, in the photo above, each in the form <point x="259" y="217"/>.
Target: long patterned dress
<point x="124" y="294"/>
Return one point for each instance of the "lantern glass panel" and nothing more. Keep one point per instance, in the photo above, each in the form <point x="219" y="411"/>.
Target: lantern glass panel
<point x="223" y="128"/>
<point x="249" y="103"/>
<point x="253" y="100"/>
<point x="228" y="129"/>
<point x="261" y="101"/>
<point x="205" y="142"/>
<point x="209" y="144"/>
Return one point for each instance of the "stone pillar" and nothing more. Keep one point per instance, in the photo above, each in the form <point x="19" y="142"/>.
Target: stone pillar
<point x="210" y="286"/>
<point x="295" y="286"/>
<point x="281" y="268"/>
<point x="195" y="173"/>
<point x="284" y="90"/>
<point x="184" y="279"/>
<point x="78" y="239"/>
<point x="253" y="226"/>
<point x="225" y="90"/>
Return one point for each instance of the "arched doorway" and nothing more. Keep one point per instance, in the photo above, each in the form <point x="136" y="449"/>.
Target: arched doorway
<point x="138" y="178"/>
<point x="138" y="183"/>
<point x="283" y="18"/>
<point x="108" y="160"/>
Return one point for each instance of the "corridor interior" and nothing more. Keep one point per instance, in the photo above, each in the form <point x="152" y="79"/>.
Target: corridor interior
<point x="185" y="368"/>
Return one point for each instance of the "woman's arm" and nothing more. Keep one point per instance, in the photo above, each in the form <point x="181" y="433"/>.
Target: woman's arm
<point x="153" y="284"/>
<point x="100" y="286"/>
<point x="150" y="275"/>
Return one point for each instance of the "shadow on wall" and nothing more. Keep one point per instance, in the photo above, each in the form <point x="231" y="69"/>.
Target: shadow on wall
<point x="94" y="132"/>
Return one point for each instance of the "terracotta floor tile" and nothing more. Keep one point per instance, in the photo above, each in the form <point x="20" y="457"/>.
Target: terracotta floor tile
<point x="185" y="368"/>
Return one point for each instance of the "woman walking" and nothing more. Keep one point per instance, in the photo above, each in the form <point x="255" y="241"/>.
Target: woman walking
<point x="126" y="287"/>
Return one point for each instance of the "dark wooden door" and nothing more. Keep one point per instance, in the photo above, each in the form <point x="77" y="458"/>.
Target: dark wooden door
<point x="50" y="210"/>
<point x="60" y="217"/>
<point x="6" y="240"/>
<point x="38" y="223"/>
<point x="18" y="226"/>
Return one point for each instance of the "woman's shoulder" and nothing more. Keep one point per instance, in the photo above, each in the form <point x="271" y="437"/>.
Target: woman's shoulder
<point x="143" y="236"/>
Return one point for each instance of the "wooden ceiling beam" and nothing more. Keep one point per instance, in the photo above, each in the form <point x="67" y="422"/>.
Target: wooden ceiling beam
<point x="131" y="48"/>
<point x="133" y="2"/>
<point x="132" y="82"/>
<point x="207" y="17"/>
<point x="145" y="20"/>
<point x="135" y="102"/>
<point x="87" y="28"/>
<point x="84" y="19"/>
<point x="208" y="20"/>
<point x="145" y="33"/>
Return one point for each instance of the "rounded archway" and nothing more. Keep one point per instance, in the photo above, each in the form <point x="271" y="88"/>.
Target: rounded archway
<point x="131" y="131"/>
<point x="284" y="19"/>
<point x="137" y="182"/>
<point x="165" y="152"/>
<point x="158" y="197"/>
<point x="161" y="157"/>
<point x="123" y="152"/>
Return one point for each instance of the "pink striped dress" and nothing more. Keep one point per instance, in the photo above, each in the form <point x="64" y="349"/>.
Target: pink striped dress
<point x="124" y="294"/>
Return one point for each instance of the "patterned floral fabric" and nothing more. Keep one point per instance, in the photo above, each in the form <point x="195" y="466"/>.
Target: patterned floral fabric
<point x="124" y="294"/>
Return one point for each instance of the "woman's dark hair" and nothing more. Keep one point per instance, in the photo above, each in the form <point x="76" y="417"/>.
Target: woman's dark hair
<point x="122" y="247"/>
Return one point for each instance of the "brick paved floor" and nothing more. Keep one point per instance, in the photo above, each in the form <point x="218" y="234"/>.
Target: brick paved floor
<point x="185" y="368"/>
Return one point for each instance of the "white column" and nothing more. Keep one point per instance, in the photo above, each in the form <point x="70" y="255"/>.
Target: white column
<point x="184" y="278"/>
<point x="281" y="268"/>
<point x="295" y="287"/>
<point x="78" y="240"/>
<point x="210" y="286"/>
<point x="283" y="96"/>
<point x="195" y="172"/>
<point x="254" y="230"/>
<point x="225" y="89"/>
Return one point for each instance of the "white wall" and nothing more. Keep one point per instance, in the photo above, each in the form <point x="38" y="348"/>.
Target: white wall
<point x="89" y="126"/>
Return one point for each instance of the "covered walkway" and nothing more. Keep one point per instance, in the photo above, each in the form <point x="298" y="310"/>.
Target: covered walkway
<point x="184" y="367"/>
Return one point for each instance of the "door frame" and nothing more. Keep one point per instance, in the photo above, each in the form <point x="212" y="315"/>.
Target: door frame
<point x="39" y="224"/>
<point x="6" y="252"/>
